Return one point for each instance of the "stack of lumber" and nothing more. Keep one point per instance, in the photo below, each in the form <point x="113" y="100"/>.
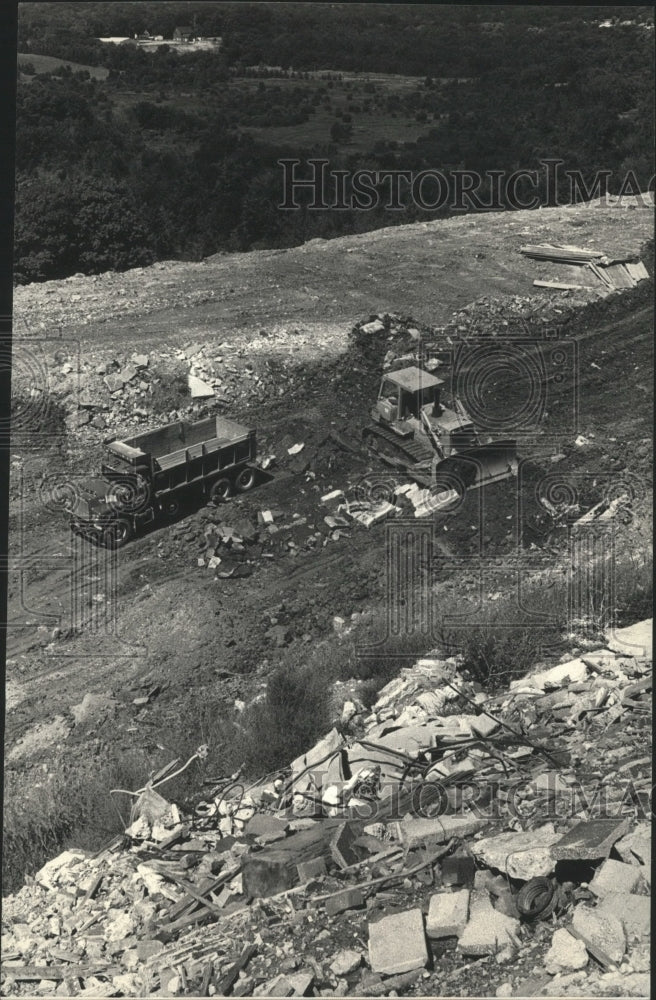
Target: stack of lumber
<point x="611" y="273"/>
<point x="561" y="254"/>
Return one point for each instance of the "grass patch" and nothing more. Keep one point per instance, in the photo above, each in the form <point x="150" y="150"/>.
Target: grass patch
<point x="71" y="807"/>
<point x="46" y="64"/>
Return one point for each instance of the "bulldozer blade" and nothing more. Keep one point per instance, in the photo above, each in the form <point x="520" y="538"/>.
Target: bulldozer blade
<point x="476" y="467"/>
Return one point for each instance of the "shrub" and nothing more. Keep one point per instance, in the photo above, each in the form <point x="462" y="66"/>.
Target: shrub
<point x="170" y="388"/>
<point x="71" y="808"/>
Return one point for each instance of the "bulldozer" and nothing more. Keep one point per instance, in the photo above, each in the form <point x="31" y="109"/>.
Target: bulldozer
<point x="438" y="447"/>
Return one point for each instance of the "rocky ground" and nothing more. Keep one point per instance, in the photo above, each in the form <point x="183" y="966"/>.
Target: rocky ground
<point x="484" y="852"/>
<point x="206" y="605"/>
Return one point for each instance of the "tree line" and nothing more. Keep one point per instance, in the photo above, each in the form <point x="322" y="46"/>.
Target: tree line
<point x="171" y="157"/>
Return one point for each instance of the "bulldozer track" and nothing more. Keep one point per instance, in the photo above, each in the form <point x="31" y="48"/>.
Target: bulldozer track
<point x="417" y="451"/>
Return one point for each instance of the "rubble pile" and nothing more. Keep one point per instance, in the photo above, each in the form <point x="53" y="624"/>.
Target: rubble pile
<point x="442" y="835"/>
<point x="122" y="391"/>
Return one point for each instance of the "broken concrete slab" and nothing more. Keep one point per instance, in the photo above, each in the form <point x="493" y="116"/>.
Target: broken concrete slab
<point x="634" y="912"/>
<point x="448" y="913"/>
<point x="266" y="828"/>
<point x="635" y="640"/>
<point x="415" y="830"/>
<point x="590" y="839"/>
<point x="615" y="877"/>
<point x="51" y="873"/>
<point x="199" y="389"/>
<point x="524" y="855"/>
<point x="397" y="943"/>
<point x="488" y="931"/>
<point x="372" y="328"/>
<point x="602" y="933"/>
<point x="348" y="899"/>
<point x="484" y="725"/>
<point x="114" y="381"/>
<point x="309" y="772"/>
<point x="636" y="846"/>
<point x="308" y="870"/>
<point x="566" y="953"/>
<point x="572" y="672"/>
<point x="345" y="962"/>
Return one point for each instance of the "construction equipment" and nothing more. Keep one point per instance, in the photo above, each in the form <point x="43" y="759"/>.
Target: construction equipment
<point x="436" y="446"/>
<point x="148" y="477"/>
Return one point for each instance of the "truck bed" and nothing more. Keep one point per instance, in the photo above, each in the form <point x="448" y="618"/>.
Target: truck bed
<point x="176" y="443"/>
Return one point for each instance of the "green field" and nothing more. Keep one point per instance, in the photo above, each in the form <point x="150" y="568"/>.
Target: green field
<point x="46" y="64"/>
<point x="367" y="129"/>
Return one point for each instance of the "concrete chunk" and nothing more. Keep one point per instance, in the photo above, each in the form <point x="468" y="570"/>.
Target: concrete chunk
<point x="437" y="829"/>
<point x="636" y="846"/>
<point x="524" y="855"/>
<point x="567" y="953"/>
<point x="634" y="912"/>
<point x="345" y="962"/>
<point x="349" y="899"/>
<point x="571" y="672"/>
<point x="266" y="828"/>
<point x="602" y="934"/>
<point x="373" y="328"/>
<point x="488" y="930"/>
<point x="308" y="870"/>
<point x="114" y="381"/>
<point x="447" y="914"/>
<point x="199" y="389"/>
<point x="590" y="840"/>
<point x="397" y="943"/>
<point x="635" y="640"/>
<point x="614" y="877"/>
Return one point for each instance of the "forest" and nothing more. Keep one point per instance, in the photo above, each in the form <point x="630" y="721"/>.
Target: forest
<point x="126" y="156"/>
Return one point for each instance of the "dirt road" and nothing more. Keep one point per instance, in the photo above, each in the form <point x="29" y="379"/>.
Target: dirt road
<point x="162" y="616"/>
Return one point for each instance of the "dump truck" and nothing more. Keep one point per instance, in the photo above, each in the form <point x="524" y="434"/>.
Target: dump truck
<point x="415" y="433"/>
<point x="148" y="477"/>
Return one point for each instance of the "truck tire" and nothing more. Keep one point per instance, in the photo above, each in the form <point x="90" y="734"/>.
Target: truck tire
<point x="221" y="490"/>
<point x="246" y="480"/>
<point x="118" y="534"/>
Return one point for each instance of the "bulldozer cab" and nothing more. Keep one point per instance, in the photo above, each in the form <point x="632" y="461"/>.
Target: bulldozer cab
<point x="405" y="393"/>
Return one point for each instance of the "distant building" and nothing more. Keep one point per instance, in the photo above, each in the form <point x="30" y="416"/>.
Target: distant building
<point x="115" y="40"/>
<point x="183" y="34"/>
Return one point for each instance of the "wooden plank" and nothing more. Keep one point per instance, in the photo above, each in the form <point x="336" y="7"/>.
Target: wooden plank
<point x="93" y="888"/>
<point x="208" y="972"/>
<point x="210" y="886"/>
<point x="599" y="273"/>
<point x="558" y="285"/>
<point x="228" y="980"/>
<point x="274" y="869"/>
<point x="188" y="888"/>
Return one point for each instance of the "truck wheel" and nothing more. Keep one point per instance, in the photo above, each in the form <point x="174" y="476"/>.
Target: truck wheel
<point x="118" y="534"/>
<point x="221" y="490"/>
<point x="246" y="480"/>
